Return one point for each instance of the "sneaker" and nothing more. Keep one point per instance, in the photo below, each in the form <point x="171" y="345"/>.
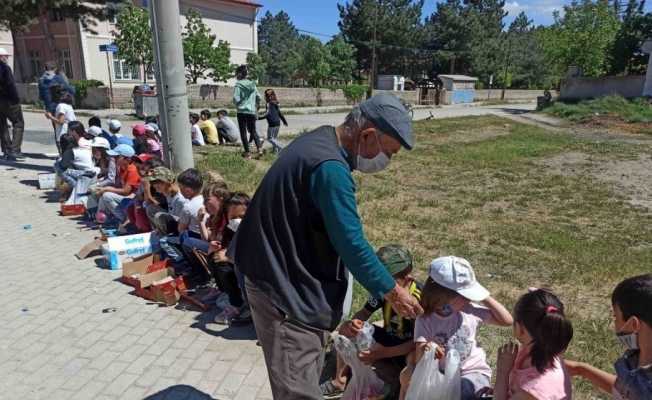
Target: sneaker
<point x="10" y="157"/>
<point x="226" y="315"/>
<point x="19" y="156"/>
<point x="243" y="317"/>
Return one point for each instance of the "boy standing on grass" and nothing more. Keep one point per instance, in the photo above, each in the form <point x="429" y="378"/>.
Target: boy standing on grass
<point x="208" y="128"/>
<point x="631" y="301"/>
<point x="190" y="184"/>
<point x="246" y="99"/>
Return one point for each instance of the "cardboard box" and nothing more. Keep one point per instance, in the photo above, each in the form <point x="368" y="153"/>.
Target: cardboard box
<point x="131" y="271"/>
<point x="47" y="181"/>
<point x="125" y="248"/>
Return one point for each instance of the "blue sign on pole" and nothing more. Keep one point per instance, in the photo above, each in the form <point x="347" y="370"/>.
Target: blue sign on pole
<point x="109" y="48"/>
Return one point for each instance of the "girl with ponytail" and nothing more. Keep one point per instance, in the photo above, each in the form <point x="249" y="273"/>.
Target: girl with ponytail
<point x="533" y="369"/>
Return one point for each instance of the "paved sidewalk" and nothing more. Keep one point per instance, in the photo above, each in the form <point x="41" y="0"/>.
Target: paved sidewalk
<point x="55" y="340"/>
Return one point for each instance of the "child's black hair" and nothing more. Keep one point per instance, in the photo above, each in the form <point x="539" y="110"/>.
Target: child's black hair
<point x="633" y="296"/>
<point x="194" y="116"/>
<point x="541" y="313"/>
<point x="95" y="121"/>
<point x="151" y="120"/>
<point x="154" y="162"/>
<point x="242" y="71"/>
<point x="205" y="113"/>
<point x="191" y="178"/>
<point x="237" y="199"/>
<point x="77" y="127"/>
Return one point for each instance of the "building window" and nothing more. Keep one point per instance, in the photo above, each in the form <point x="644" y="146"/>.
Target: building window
<point x="125" y="72"/>
<point x="35" y="63"/>
<point x="65" y="62"/>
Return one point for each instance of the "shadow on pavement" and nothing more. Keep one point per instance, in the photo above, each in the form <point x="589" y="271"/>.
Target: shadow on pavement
<point x="179" y="392"/>
<point x="30" y="182"/>
<point x="51" y="196"/>
<point x="232" y="332"/>
<point x="514" y="111"/>
<point x="39" y="156"/>
<point x="23" y="165"/>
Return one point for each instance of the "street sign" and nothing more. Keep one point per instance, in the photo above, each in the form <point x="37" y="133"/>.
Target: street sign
<point x="109" y="48"/>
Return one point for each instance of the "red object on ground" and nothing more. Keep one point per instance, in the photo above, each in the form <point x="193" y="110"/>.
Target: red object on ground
<point x="138" y="217"/>
<point x="72" y="209"/>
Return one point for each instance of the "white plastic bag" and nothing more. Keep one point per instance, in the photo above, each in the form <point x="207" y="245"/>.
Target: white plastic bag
<point x="364" y="383"/>
<point x="428" y="383"/>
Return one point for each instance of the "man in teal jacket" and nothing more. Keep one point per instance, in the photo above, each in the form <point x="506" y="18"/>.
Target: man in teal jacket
<point x="246" y="99"/>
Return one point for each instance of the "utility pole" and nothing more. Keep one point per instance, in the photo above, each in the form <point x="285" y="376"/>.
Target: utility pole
<point x="507" y="61"/>
<point x="171" y="83"/>
<point x="372" y="73"/>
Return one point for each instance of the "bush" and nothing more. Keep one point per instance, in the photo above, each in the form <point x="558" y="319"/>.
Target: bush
<point x="636" y="110"/>
<point x="355" y="93"/>
<point x="81" y="89"/>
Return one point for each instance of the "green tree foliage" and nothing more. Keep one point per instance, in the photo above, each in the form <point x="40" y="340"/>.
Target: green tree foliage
<point x="636" y="27"/>
<point x="527" y="68"/>
<point x="342" y="59"/>
<point x="202" y="57"/>
<point x="582" y="37"/>
<point x="278" y="40"/>
<point x="19" y="14"/>
<point x="257" y="66"/>
<point x="316" y="61"/>
<point x="467" y="37"/>
<point x="398" y="32"/>
<point x="133" y="36"/>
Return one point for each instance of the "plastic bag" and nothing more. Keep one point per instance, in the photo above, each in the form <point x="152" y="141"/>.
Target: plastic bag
<point x="364" y="383"/>
<point x="428" y="383"/>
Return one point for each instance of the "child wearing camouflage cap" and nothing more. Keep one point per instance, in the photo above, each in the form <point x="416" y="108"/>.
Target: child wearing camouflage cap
<point x="165" y="221"/>
<point x="394" y="339"/>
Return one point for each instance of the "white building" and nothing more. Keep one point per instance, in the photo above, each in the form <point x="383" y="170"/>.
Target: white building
<point x="55" y="38"/>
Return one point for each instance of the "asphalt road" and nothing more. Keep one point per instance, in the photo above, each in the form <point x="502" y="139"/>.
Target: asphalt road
<point x="39" y="130"/>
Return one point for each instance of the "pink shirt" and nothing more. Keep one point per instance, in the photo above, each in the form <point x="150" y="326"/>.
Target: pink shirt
<point x="457" y="331"/>
<point x="554" y="384"/>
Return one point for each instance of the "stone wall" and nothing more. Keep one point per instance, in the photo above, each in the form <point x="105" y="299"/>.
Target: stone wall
<point x="212" y="96"/>
<point x="589" y="88"/>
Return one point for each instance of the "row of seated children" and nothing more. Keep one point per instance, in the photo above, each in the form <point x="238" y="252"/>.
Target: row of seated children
<point x="204" y="131"/>
<point x="455" y="305"/>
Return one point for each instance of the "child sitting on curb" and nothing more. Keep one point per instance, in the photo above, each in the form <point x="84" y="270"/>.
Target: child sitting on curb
<point x="631" y="302"/>
<point x="450" y="321"/>
<point x="394" y="340"/>
<point x="534" y="370"/>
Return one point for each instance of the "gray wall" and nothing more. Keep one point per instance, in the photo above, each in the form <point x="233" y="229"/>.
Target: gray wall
<point x="588" y="88"/>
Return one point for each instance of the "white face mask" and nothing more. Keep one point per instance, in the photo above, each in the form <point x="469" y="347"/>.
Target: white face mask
<point x="234" y="223"/>
<point x="629" y="340"/>
<point x="375" y="164"/>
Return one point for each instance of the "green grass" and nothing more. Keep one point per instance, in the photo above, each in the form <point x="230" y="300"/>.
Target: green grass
<point x="633" y="111"/>
<point x="491" y="200"/>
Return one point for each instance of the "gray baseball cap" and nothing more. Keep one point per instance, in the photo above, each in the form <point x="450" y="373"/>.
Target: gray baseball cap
<point x="388" y="114"/>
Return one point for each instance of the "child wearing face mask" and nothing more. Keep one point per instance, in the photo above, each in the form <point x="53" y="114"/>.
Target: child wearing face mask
<point x="237" y="310"/>
<point x="534" y="369"/>
<point x="450" y="321"/>
<point x="631" y="302"/>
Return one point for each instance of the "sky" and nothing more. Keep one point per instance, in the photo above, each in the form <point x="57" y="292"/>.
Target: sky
<point x="321" y="16"/>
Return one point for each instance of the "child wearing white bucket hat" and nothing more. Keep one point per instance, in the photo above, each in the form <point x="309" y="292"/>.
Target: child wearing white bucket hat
<point x="455" y="304"/>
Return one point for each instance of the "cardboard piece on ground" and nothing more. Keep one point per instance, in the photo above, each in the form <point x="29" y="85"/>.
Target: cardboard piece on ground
<point x="93" y="248"/>
<point x="131" y="271"/>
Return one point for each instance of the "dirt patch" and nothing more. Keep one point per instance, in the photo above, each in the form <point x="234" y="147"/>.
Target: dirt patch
<point x="631" y="177"/>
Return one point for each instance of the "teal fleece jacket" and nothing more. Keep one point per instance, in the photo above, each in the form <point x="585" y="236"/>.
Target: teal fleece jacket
<point x="246" y="97"/>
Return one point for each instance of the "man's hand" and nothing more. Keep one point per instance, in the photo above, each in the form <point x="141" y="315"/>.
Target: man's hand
<point x="404" y="303"/>
<point x="377" y="352"/>
<point x="349" y="329"/>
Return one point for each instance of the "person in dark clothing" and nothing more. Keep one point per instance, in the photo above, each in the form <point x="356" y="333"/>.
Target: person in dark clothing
<point x="52" y="83"/>
<point x="302" y="235"/>
<point x="274" y="116"/>
<point x="96" y="121"/>
<point x="10" y="110"/>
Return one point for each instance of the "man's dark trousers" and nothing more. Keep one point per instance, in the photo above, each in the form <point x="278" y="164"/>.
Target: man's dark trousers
<point x="11" y="143"/>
